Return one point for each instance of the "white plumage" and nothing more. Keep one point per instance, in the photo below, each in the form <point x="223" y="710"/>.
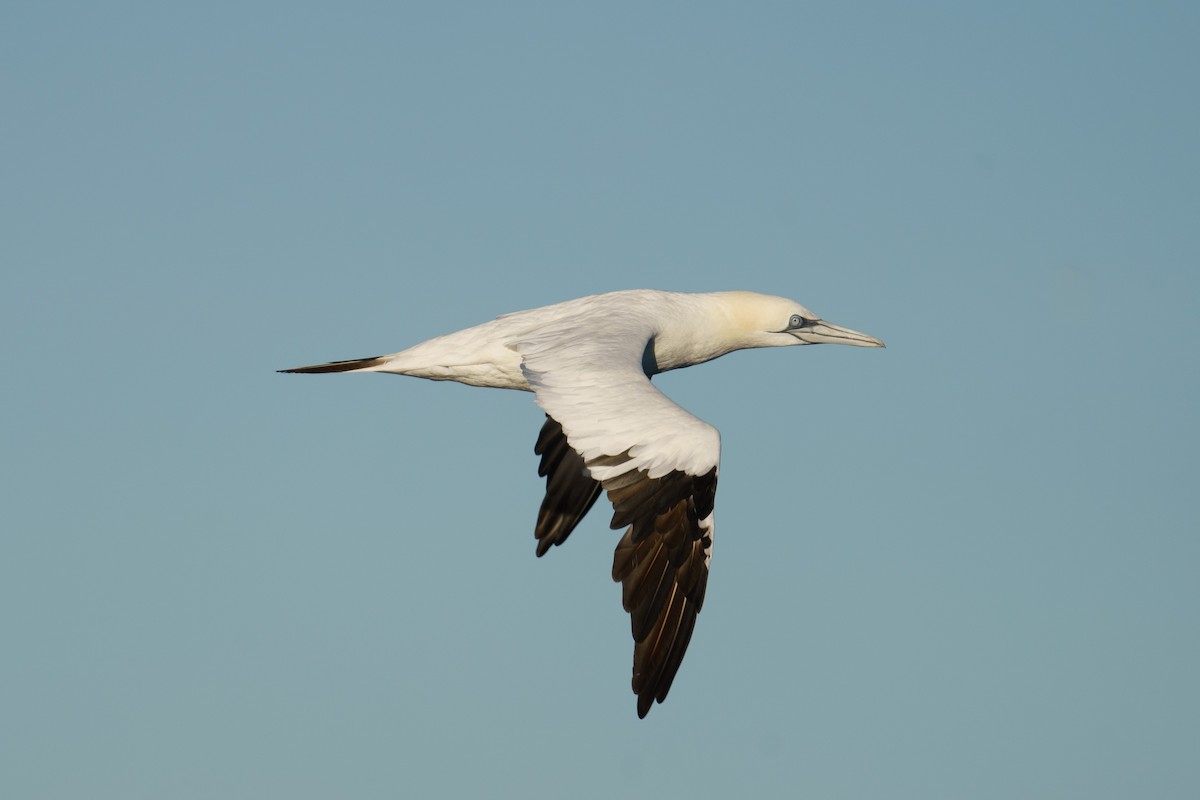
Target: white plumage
<point x="589" y="362"/>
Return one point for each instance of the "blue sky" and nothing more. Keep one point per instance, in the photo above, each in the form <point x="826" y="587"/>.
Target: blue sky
<point x="964" y="566"/>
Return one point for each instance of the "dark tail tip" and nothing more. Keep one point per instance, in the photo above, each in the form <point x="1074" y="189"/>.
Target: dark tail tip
<point x="338" y="366"/>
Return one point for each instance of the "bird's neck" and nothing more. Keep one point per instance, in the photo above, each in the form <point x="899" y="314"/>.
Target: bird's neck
<point x="702" y="327"/>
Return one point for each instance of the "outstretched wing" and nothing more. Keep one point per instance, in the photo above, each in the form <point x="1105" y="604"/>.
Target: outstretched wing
<point x="658" y="464"/>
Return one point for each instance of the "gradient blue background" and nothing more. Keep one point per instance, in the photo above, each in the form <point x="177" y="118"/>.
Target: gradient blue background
<point x="962" y="567"/>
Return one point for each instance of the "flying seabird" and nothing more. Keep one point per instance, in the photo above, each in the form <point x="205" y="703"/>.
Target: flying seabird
<point x="589" y="363"/>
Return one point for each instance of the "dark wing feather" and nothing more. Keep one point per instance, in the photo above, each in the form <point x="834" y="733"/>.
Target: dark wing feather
<point x="662" y="564"/>
<point x="570" y="490"/>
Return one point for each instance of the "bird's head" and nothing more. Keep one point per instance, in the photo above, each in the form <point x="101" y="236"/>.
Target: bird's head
<point x="765" y="321"/>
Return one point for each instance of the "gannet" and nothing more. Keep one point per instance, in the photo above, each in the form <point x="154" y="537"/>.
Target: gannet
<point x="589" y="363"/>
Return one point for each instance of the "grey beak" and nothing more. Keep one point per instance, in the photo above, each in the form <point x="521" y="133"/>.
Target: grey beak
<point x="822" y="332"/>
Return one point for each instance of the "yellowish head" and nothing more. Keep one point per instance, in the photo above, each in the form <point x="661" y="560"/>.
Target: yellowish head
<point x="760" y="320"/>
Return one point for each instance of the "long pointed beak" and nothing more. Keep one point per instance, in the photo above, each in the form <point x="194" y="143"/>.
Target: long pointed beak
<point x="822" y="332"/>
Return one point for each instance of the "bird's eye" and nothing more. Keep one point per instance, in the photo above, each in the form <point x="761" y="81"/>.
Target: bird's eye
<point x="797" y="321"/>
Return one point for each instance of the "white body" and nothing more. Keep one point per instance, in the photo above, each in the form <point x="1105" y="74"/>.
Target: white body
<point x="686" y="328"/>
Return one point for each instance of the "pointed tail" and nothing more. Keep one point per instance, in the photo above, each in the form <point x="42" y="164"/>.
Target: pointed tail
<point x="340" y="366"/>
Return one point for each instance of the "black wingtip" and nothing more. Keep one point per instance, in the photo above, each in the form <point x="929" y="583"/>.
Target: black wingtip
<point x="644" y="704"/>
<point x="336" y="366"/>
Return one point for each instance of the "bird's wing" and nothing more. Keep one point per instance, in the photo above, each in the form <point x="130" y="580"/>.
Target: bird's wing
<point x="570" y="489"/>
<point x="658" y="464"/>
